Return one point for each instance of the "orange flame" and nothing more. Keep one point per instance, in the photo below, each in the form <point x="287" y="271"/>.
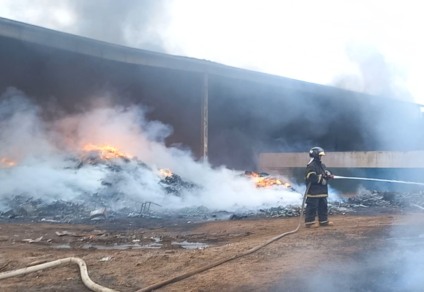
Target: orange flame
<point x="6" y="162"/>
<point x="165" y="172"/>
<point x="265" y="181"/>
<point x="106" y="151"/>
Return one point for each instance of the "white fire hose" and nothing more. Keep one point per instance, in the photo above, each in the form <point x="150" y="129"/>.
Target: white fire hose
<point x="80" y="262"/>
<point x="378" y="179"/>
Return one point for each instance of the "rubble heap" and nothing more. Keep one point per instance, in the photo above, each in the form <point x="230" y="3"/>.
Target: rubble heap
<point x="21" y="207"/>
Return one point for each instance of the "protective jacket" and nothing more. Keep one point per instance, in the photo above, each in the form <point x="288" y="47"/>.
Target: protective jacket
<point x="317" y="175"/>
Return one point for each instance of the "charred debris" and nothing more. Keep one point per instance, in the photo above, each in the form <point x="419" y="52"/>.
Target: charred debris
<point x="21" y="207"/>
<point x="110" y="203"/>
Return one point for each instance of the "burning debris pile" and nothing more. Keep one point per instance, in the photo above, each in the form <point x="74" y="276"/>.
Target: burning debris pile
<point x="119" y="168"/>
<point x="122" y="165"/>
<point x="263" y="180"/>
<point x="111" y="201"/>
<point x="123" y="186"/>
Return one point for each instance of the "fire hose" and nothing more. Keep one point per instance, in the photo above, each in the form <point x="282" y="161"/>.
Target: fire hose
<point x="98" y="288"/>
<point x="80" y="262"/>
<point x="378" y="179"/>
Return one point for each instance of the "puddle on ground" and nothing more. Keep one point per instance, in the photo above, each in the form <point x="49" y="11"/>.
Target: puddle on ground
<point x="110" y="247"/>
<point x="62" y="246"/>
<point x="191" y="245"/>
<point x="120" y="246"/>
<point x="116" y="246"/>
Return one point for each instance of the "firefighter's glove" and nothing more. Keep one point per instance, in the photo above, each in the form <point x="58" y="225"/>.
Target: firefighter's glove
<point x="322" y="180"/>
<point x="328" y="175"/>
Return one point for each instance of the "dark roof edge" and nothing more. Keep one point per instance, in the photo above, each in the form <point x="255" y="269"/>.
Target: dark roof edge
<point x="83" y="45"/>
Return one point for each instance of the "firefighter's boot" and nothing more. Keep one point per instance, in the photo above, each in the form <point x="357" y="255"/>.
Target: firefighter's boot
<point x="312" y="224"/>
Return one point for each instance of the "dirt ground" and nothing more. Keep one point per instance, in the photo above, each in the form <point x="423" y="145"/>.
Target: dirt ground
<point x="128" y="256"/>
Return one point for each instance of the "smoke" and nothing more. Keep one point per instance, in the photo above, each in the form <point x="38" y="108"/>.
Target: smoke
<point x="374" y="74"/>
<point x="21" y="133"/>
<point x="134" y="23"/>
<point x="26" y="140"/>
<point x="50" y="164"/>
<point x="391" y="261"/>
<point x="131" y="23"/>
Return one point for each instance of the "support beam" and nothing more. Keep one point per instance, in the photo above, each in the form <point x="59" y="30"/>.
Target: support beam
<point x="204" y="112"/>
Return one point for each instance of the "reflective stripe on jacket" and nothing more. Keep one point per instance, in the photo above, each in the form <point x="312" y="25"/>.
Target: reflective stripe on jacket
<point x="314" y="174"/>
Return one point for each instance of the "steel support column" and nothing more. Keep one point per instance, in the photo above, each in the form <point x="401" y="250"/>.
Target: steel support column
<point x="204" y="112"/>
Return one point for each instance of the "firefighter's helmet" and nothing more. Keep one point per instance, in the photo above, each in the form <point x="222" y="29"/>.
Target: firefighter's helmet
<point x="316" y="152"/>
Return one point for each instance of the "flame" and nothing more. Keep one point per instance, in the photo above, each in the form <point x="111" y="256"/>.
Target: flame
<point x="6" y="162"/>
<point x="165" y="172"/>
<point x="106" y="151"/>
<point x="263" y="181"/>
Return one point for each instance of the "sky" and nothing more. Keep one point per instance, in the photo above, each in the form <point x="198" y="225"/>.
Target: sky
<point x="370" y="46"/>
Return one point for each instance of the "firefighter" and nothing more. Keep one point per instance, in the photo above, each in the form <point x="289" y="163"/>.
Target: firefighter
<point x="317" y="176"/>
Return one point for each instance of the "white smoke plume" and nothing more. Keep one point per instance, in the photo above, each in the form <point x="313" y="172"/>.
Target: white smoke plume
<point x="393" y="263"/>
<point x="45" y="160"/>
<point x="374" y="74"/>
<point x="133" y="23"/>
